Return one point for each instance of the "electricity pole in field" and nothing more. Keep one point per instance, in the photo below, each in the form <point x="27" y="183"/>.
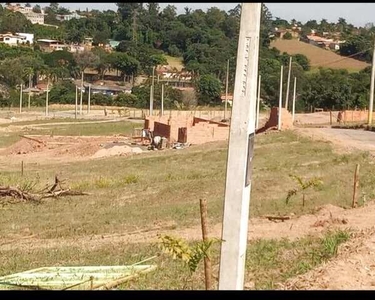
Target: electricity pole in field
<point x="162" y="100"/>
<point x="280" y="97"/>
<point x="80" y="100"/>
<point x="21" y="99"/>
<point x="288" y="84"/>
<point x="258" y="103"/>
<point x="240" y="152"/>
<point x="47" y="94"/>
<point x="76" y="107"/>
<point x="152" y="92"/>
<point x="294" y="98"/>
<point x="371" y="105"/>
<point x="89" y="100"/>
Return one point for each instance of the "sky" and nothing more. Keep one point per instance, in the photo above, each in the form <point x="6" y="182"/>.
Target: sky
<point x="356" y="13"/>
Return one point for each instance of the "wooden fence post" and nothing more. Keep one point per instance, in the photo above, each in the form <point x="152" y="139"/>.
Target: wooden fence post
<point x="355" y="187"/>
<point x="207" y="261"/>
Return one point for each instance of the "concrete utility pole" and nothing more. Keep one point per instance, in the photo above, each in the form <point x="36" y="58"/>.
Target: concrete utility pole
<point x="80" y="100"/>
<point x="240" y="152"/>
<point x="162" y="100"/>
<point x="258" y="103"/>
<point x="294" y="98"/>
<point x="152" y="92"/>
<point x="89" y="100"/>
<point x="226" y="92"/>
<point x="29" y="98"/>
<point x="288" y="84"/>
<point x="47" y="98"/>
<point x="280" y="98"/>
<point x="371" y="106"/>
<point x="76" y="108"/>
<point x="21" y="99"/>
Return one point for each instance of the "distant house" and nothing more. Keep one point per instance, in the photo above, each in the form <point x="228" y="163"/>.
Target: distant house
<point x="101" y="88"/>
<point x="230" y="99"/>
<point x="33" y="17"/>
<point x="47" y="45"/>
<point x="69" y="17"/>
<point x="279" y="33"/>
<point x="17" y="38"/>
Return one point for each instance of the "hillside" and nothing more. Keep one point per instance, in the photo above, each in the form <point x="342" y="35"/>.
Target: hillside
<point x="319" y="57"/>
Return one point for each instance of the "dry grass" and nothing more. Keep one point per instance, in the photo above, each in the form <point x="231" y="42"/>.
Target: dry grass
<point x="317" y="56"/>
<point x="164" y="187"/>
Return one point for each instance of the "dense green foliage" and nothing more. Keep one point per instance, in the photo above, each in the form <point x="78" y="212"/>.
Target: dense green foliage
<point x="205" y="40"/>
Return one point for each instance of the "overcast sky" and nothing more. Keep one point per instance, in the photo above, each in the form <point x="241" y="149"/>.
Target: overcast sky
<point x="356" y="13"/>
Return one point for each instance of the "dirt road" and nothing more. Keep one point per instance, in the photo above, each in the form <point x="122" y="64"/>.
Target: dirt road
<point x="343" y="139"/>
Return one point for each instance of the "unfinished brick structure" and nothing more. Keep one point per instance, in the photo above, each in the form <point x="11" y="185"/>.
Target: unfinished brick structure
<point x="286" y="119"/>
<point x="352" y="116"/>
<point x="187" y="129"/>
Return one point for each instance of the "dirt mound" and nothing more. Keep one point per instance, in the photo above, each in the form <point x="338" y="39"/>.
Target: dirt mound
<point x="70" y="146"/>
<point x="24" y="146"/>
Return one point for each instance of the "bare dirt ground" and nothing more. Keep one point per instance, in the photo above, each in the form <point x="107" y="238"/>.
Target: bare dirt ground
<point x="326" y="217"/>
<point x="343" y="139"/>
<point x="68" y="148"/>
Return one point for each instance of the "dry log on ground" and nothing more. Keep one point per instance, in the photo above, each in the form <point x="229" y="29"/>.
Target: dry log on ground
<point x="278" y="218"/>
<point x="32" y="139"/>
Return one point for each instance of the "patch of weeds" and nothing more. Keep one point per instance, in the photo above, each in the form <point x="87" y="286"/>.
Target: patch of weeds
<point x="130" y="179"/>
<point x="80" y="186"/>
<point x="171" y="177"/>
<point x="329" y="245"/>
<point x="274" y="261"/>
<point x="103" y="183"/>
<point x="344" y="158"/>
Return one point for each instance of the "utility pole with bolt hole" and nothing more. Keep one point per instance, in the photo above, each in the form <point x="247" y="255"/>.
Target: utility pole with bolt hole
<point x="240" y="152"/>
<point x="280" y="98"/>
<point x="371" y="105"/>
<point x="288" y="84"/>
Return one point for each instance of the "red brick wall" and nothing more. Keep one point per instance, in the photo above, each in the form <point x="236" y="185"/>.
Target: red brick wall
<point x="162" y="130"/>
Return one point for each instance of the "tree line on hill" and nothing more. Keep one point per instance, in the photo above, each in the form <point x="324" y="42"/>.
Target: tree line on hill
<point x="205" y="41"/>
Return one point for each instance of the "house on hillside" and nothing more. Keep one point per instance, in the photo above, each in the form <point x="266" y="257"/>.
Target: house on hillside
<point x="47" y="45"/>
<point x="73" y="15"/>
<point x="33" y="17"/>
<point x="109" y="90"/>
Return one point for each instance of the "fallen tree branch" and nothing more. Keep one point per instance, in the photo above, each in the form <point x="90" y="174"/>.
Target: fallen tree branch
<point x="280" y="218"/>
<point x="32" y="139"/>
<point x="25" y="196"/>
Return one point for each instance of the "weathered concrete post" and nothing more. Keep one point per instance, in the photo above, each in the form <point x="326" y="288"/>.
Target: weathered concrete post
<point x="240" y="152"/>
